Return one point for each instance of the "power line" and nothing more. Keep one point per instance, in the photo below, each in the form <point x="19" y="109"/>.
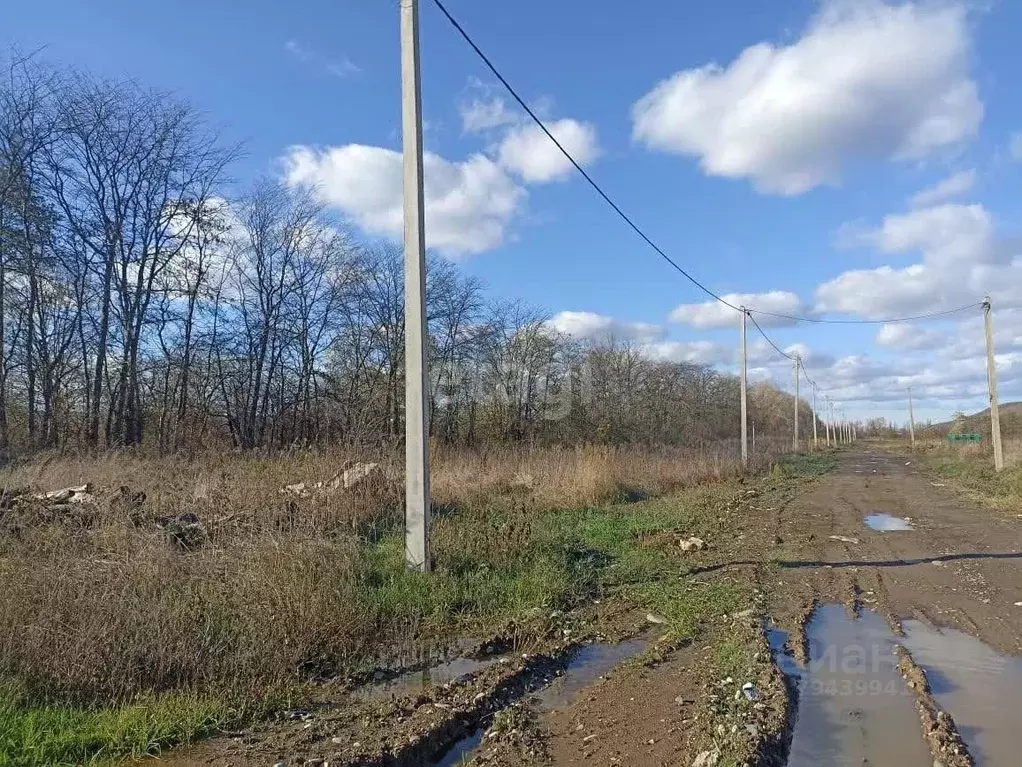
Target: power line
<point x="820" y="320"/>
<point x="579" y="168"/>
<point x="768" y="339"/>
<point x="627" y="219"/>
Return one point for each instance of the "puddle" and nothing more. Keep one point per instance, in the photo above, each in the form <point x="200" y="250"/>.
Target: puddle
<point x="853" y="706"/>
<point x="587" y="665"/>
<point x="885" y="523"/>
<point x="414" y="682"/>
<point x="980" y="688"/>
<point x="463" y="750"/>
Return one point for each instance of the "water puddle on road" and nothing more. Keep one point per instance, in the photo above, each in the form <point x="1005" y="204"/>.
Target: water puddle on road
<point x="462" y="751"/>
<point x="885" y="523"/>
<point x="586" y="665"/>
<point x="853" y="705"/>
<point x="413" y="682"/>
<point x="980" y="688"/>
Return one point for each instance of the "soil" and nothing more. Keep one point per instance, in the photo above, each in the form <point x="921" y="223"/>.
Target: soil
<point x="799" y="547"/>
<point x="957" y="567"/>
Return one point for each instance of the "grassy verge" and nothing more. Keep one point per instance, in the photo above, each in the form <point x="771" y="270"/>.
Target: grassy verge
<point x="126" y="645"/>
<point x="34" y="734"/>
<point x="971" y="468"/>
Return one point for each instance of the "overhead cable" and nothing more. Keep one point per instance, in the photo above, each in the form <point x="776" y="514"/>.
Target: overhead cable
<point x="769" y="340"/>
<point x="635" y="227"/>
<point x="573" y="161"/>
<point x="821" y="320"/>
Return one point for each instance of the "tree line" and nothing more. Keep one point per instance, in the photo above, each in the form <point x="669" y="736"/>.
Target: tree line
<point x="144" y="302"/>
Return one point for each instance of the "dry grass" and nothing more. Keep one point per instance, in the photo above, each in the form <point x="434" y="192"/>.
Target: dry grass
<point x="971" y="467"/>
<point x="282" y="589"/>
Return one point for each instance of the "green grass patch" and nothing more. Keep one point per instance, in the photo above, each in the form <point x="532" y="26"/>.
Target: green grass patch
<point x="804" y="465"/>
<point x="54" y="735"/>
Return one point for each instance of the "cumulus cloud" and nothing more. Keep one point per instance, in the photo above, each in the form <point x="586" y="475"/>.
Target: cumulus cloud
<point x="693" y="352"/>
<point x="527" y="151"/>
<point x="713" y="314"/>
<point x="521" y="146"/>
<point x="480" y="115"/>
<point x="469" y="204"/>
<point x="954" y="185"/>
<point x="904" y="337"/>
<point x="867" y="80"/>
<point x="962" y="260"/>
<point x="811" y="358"/>
<point x="598" y="327"/>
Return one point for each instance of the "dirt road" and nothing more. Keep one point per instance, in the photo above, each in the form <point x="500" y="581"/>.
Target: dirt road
<point x="799" y="550"/>
<point x="957" y="567"/>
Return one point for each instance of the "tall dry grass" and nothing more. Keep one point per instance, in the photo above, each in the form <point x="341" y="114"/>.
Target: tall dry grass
<point x="283" y="589"/>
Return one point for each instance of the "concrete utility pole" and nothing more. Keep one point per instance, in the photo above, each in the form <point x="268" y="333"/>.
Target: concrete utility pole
<point x="816" y="438"/>
<point x="995" y="416"/>
<point x="796" y="403"/>
<point x="417" y="499"/>
<point x="754" y="438"/>
<point x="826" y="419"/>
<point x="911" y="418"/>
<point x="744" y="389"/>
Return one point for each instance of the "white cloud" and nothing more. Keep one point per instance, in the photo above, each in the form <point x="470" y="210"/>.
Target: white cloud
<point x="529" y="152"/>
<point x="343" y="67"/>
<point x="867" y="80"/>
<point x="298" y="50"/>
<point x="962" y="261"/>
<point x="946" y="234"/>
<point x="597" y="327"/>
<point x="1015" y="145"/>
<point x="903" y="337"/>
<point x="811" y="358"/>
<point x="713" y="314"/>
<point x="480" y="115"/>
<point x="693" y="352"/>
<point x="469" y="204"/>
<point x="953" y="186"/>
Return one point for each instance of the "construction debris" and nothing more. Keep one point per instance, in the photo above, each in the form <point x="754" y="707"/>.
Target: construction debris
<point x="183" y="530"/>
<point x="346" y="478"/>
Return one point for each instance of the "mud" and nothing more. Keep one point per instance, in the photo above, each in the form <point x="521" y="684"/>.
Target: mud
<point x="955" y="568"/>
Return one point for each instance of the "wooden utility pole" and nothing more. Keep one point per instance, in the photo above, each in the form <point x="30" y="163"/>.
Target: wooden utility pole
<point x="417" y="499"/>
<point x="995" y="416"/>
<point x="911" y="418"/>
<point x="744" y="389"/>
<point x="796" y="404"/>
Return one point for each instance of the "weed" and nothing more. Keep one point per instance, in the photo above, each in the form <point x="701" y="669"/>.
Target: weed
<point x="57" y="735"/>
<point x="118" y="642"/>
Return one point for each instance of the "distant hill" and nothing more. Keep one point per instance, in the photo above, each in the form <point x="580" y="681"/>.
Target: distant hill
<point x="979" y="423"/>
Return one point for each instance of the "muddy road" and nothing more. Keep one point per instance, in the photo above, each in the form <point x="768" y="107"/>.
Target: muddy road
<point x="883" y="627"/>
<point x="959" y="565"/>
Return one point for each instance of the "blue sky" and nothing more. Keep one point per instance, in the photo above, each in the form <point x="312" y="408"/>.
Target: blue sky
<point x="779" y="158"/>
